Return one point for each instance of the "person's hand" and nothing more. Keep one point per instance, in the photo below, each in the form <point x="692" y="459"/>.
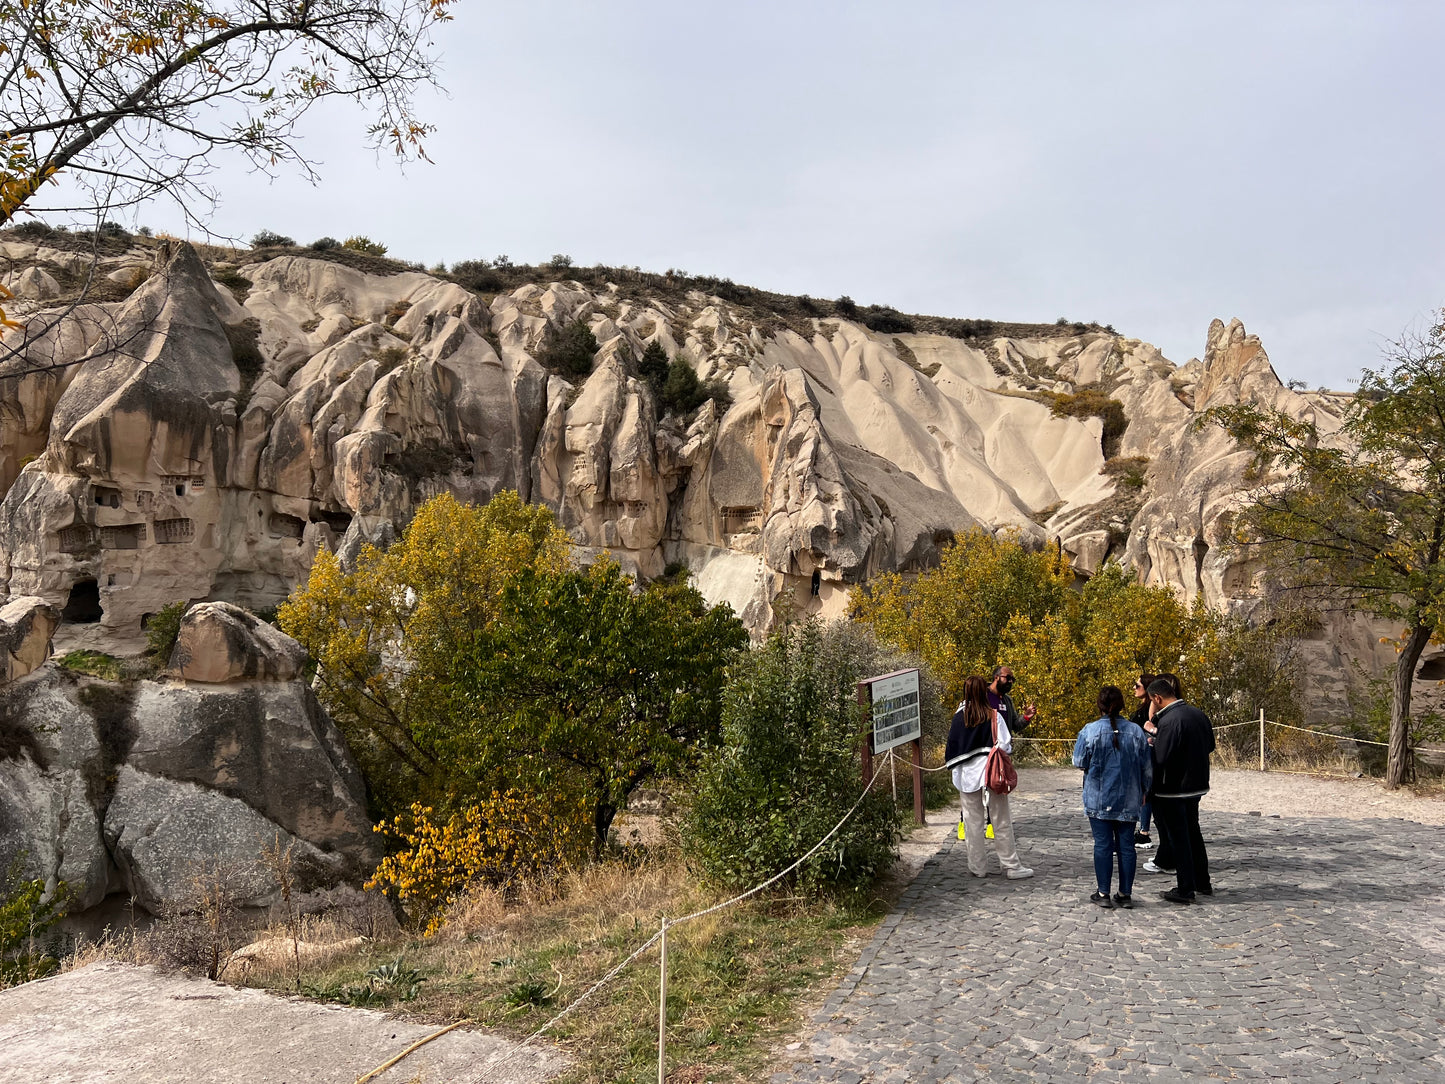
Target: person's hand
<point x="1151" y="728"/>
<point x="1028" y="713"/>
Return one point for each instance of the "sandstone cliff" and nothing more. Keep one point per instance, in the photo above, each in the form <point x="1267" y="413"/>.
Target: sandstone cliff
<point x="211" y="437"/>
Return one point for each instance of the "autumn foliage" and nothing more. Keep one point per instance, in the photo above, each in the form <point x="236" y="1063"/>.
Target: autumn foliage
<point x="497" y="840"/>
<point x="992" y="601"/>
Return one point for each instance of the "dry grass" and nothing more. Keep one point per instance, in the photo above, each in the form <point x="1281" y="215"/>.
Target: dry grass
<point x="738" y="980"/>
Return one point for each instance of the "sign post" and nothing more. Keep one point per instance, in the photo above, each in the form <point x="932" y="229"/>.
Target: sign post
<point x="897" y="719"/>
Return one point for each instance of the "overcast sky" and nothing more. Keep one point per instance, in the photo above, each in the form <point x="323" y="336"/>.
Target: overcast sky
<point x="1148" y="165"/>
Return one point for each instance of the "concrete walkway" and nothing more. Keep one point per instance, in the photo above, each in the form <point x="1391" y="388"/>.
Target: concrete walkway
<point x="114" y="1022"/>
<point x="1320" y="958"/>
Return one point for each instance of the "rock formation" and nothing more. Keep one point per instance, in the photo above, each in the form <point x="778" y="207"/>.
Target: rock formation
<point x="209" y="438"/>
<point x="142" y="787"/>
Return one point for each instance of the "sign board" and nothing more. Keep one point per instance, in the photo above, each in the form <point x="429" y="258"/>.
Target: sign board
<point x="893" y="700"/>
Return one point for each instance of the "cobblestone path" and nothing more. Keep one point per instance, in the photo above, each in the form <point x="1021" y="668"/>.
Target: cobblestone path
<point x="1320" y="958"/>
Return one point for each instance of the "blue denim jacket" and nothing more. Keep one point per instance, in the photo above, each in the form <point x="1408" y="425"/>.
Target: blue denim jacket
<point x="1115" y="780"/>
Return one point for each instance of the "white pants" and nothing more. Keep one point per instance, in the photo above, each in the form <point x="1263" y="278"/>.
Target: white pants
<point x="1003" y="831"/>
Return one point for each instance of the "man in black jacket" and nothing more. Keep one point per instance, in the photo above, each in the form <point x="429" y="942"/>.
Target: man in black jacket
<point x="1000" y="700"/>
<point x="1181" y="777"/>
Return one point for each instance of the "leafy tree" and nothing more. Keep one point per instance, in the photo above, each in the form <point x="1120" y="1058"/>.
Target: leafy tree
<point x="1360" y="521"/>
<point x="584" y="680"/>
<point x="26" y="913"/>
<point x="682" y="391"/>
<point x="952" y="616"/>
<point x="135" y="98"/>
<point x="272" y="239"/>
<point x="572" y="351"/>
<point x="365" y="245"/>
<point x="787" y="772"/>
<point x="385" y="635"/>
<point x="990" y="601"/>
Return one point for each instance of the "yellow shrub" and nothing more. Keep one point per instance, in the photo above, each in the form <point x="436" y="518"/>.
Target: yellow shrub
<point x="509" y="835"/>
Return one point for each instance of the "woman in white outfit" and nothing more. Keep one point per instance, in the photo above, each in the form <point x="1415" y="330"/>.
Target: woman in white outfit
<point x="970" y="737"/>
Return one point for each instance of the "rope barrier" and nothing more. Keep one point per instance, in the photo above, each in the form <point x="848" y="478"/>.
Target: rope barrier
<point x="1327" y="734"/>
<point x="500" y="1059"/>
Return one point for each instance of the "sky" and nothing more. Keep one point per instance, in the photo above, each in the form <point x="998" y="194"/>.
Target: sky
<point x="1150" y="166"/>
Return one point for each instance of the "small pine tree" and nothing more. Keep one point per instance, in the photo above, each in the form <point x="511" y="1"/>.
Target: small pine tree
<point x="682" y="392"/>
<point x="571" y="353"/>
<point x="653" y="368"/>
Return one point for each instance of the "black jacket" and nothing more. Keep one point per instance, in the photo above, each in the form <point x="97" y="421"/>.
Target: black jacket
<point x="1181" y="751"/>
<point x="1141" y="714"/>
<point x="1011" y="717"/>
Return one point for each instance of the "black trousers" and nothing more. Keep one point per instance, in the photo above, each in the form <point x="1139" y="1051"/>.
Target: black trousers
<point x="1178" y="822"/>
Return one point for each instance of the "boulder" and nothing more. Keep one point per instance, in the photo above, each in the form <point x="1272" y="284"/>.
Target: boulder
<point x="35" y="284"/>
<point x="144" y="787"/>
<point x="220" y="643"/>
<point x="26" y="625"/>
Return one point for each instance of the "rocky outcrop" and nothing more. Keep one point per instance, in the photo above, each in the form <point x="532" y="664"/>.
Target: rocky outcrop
<point x="26" y="625"/>
<point x="143" y="787"/>
<point x="205" y="444"/>
<point x="220" y="643"/>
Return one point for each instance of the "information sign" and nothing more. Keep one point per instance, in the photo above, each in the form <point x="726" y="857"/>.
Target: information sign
<point x="893" y="700"/>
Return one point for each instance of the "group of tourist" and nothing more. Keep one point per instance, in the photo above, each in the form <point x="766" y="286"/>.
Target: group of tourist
<point x="1154" y="761"/>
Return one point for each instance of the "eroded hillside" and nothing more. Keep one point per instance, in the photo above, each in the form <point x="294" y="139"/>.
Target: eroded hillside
<point x="197" y="430"/>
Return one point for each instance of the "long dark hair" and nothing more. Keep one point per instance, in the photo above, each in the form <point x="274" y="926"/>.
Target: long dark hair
<point x="1111" y="703"/>
<point x="976" y="710"/>
<point x="1145" y="680"/>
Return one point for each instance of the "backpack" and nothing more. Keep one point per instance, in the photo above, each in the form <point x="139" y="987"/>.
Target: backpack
<point x="998" y="770"/>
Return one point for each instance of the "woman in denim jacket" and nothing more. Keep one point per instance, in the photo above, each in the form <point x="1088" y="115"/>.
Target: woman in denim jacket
<point x="1118" y="770"/>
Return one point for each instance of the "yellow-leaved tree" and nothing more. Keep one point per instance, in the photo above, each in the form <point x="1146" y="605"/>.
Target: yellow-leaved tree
<point x="385" y="636"/>
<point x="952" y="616"/>
<point x="993" y="602"/>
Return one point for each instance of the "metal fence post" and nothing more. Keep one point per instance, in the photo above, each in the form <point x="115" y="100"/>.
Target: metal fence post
<point x="1261" y="739"/>
<point x="662" y="1006"/>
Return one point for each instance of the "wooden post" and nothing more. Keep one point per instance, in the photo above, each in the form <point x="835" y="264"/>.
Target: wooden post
<point x="1261" y="739"/>
<point x="865" y="698"/>
<point x="662" y="1007"/>
<point x="917" y="744"/>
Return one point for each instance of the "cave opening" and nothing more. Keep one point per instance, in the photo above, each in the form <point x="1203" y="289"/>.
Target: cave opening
<point x="83" y="606"/>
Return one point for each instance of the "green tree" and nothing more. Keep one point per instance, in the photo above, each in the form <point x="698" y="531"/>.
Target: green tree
<point x="26" y="912"/>
<point x="1359" y="521"/>
<point x="787" y="772"/>
<point x="952" y="616"/>
<point x="585" y="679"/>
<point x="385" y="635"/>
<point x="682" y="391"/>
<point x="572" y="351"/>
<point x="653" y="369"/>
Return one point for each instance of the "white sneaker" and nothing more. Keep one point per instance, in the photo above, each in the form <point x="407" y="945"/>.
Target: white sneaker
<point x="1019" y="874"/>
<point x="1150" y="867"/>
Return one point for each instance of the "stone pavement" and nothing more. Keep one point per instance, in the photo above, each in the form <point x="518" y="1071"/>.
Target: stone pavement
<point x="1320" y="958"/>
